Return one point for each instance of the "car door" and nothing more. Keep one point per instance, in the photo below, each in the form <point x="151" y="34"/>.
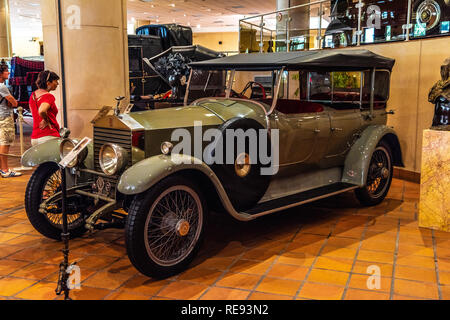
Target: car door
<point x="344" y="131"/>
<point x="302" y="136"/>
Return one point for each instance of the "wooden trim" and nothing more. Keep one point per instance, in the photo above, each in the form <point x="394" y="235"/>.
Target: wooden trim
<point x="407" y="175"/>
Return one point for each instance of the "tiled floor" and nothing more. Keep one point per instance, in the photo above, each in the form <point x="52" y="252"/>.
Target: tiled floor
<point x="324" y="250"/>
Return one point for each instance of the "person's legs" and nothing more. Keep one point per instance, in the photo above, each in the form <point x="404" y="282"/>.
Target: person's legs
<point x="3" y="158"/>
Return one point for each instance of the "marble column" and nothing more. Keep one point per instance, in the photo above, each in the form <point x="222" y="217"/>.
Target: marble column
<point x="94" y="56"/>
<point x="434" y="206"/>
<point x="5" y="30"/>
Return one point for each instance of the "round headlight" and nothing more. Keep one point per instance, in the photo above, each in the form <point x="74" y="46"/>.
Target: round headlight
<point x="166" y="148"/>
<point x="112" y="159"/>
<point x="65" y="147"/>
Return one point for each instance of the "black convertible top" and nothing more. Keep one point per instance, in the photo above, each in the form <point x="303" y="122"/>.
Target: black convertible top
<point x="339" y="59"/>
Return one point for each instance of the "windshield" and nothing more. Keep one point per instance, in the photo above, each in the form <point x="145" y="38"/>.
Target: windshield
<point x="255" y="85"/>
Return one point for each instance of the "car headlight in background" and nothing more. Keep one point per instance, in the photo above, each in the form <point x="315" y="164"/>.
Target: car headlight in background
<point x="68" y="145"/>
<point x="112" y="158"/>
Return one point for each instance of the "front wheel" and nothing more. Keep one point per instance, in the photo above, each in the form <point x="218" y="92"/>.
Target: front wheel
<point x="379" y="177"/>
<point x="165" y="227"/>
<point x="45" y="183"/>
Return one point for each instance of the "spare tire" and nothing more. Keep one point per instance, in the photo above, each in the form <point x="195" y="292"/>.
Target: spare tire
<point x="242" y="180"/>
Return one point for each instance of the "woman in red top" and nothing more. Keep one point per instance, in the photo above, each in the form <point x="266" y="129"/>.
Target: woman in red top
<point x="43" y="108"/>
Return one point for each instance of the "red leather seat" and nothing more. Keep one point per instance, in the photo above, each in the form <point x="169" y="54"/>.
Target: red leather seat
<point x="295" y="106"/>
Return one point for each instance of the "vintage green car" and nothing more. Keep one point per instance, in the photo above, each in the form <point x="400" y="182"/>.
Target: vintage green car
<point x="265" y="132"/>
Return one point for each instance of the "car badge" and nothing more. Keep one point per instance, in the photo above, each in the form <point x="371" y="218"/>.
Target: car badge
<point x="100" y="184"/>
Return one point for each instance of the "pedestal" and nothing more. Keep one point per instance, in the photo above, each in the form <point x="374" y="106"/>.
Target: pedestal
<point x="434" y="207"/>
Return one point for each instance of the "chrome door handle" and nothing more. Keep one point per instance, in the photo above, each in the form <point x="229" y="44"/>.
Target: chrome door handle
<point x="337" y="129"/>
<point x="317" y="130"/>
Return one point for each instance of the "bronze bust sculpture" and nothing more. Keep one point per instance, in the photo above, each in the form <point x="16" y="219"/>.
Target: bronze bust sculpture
<point x="440" y="96"/>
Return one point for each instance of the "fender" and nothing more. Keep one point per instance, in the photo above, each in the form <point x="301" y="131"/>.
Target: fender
<point x="147" y="173"/>
<point x="358" y="159"/>
<point x="49" y="152"/>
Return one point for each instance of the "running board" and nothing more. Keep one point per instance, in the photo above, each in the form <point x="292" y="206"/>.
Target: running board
<point x="298" y="199"/>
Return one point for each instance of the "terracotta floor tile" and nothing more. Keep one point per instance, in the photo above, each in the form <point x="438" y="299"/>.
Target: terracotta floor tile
<point x="20" y="228"/>
<point x="419" y="289"/>
<point x="6" y="250"/>
<point x="328" y="277"/>
<point x="40" y="291"/>
<point x="355" y="294"/>
<point x="143" y="285"/>
<point x="413" y="250"/>
<point x="407" y="238"/>
<point x="200" y="275"/>
<point x="259" y="254"/>
<point x="308" y="239"/>
<point x="96" y="262"/>
<point x="183" y="291"/>
<point x="36" y="271"/>
<point x="378" y="245"/>
<point x="421" y="232"/>
<point x="299" y="248"/>
<point x="445" y="292"/>
<point x="319" y="291"/>
<point x="304" y="260"/>
<point x="12" y="286"/>
<point x="444" y="277"/>
<point x="354" y="233"/>
<point x="5" y="237"/>
<point x="288" y="272"/>
<point x="316" y="230"/>
<point x="251" y="267"/>
<point x="330" y="251"/>
<point x="443" y="253"/>
<point x="268" y="296"/>
<point x="416" y="261"/>
<point x="24" y="241"/>
<point x="376" y="256"/>
<point x="87" y="293"/>
<point x="123" y="295"/>
<point x="106" y="280"/>
<point x="444" y="264"/>
<point x="225" y="294"/>
<point x="122" y="266"/>
<point x="359" y="281"/>
<point x="418" y="274"/>
<point x="218" y="263"/>
<point x="8" y="266"/>
<point x="363" y="267"/>
<point x="400" y="297"/>
<point x="279" y="286"/>
<point x="32" y="255"/>
<point x="381" y="236"/>
<point x="333" y="263"/>
<point x="343" y="242"/>
<point x="232" y="250"/>
<point x="85" y="273"/>
<point x="238" y="280"/>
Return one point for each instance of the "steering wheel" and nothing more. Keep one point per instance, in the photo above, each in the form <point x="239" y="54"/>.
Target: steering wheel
<point x="249" y="85"/>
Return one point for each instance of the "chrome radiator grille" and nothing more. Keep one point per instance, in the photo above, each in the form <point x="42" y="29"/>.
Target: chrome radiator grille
<point x="102" y="136"/>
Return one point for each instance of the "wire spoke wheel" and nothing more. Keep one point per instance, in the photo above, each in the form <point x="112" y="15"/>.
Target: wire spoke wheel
<point x="379" y="172"/>
<point x="54" y="210"/>
<point x="173" y="225"/>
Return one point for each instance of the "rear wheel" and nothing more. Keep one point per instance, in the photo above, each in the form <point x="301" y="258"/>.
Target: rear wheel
<point x="379" y="177"/>
<point x="165" y="227"/>
<point x="44" y="183"/>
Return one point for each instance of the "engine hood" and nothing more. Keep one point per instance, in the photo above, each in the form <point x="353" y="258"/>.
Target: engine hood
<point x="227" y="109"/>
<point x="170" y="118"/>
